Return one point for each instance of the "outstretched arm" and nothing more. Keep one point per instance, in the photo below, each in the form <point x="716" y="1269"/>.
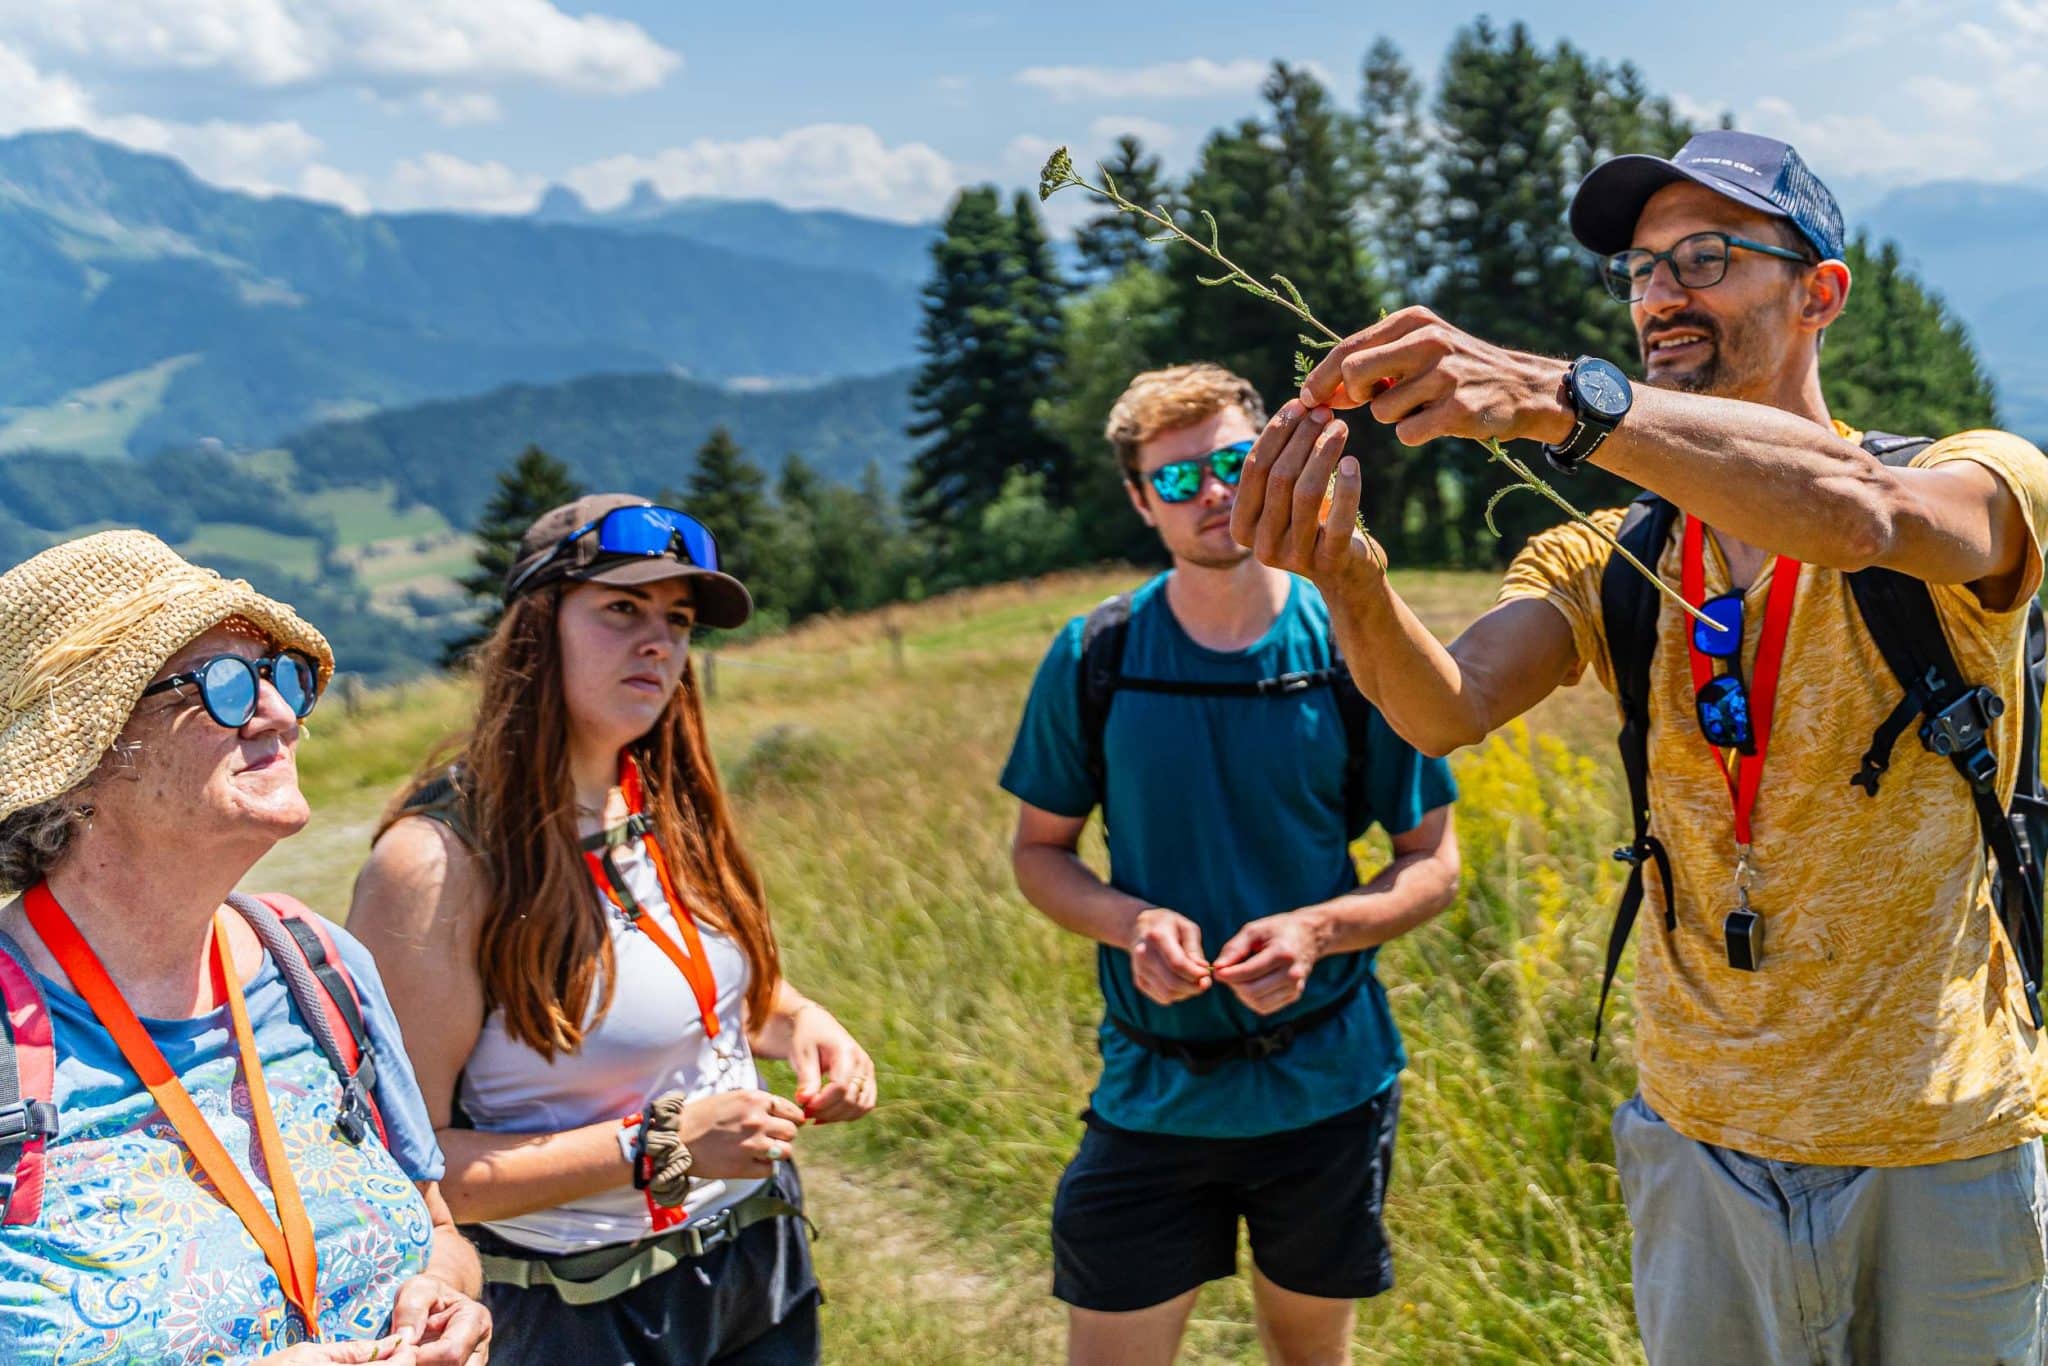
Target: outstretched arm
<point x="1437" y="698"/>
<point x="1769" y="477"/>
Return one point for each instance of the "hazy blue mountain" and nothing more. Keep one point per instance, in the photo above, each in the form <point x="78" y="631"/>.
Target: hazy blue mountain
<point x="1984" y="248"/>
<point x="633" y="432"/>
<point x="117" y="261"/>
<point x="806" y="237"/>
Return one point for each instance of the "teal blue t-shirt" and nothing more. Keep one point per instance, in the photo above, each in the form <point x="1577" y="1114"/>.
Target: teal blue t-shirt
<point x="1226" y="809"/>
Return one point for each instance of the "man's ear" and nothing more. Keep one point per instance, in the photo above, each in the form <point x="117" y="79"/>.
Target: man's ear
<point x="1827" y="294"/>
<point x="1137" y="497"/>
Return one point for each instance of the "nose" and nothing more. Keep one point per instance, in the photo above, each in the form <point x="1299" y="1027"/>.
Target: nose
<point x="272" y="715"/>
<point x="1216" y="493"/>
<point x="1663" y="295"/>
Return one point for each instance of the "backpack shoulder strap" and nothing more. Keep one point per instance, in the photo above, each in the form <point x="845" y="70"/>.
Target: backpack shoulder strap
<point x="326" y="997"/>
<point x="1102" y="660"/>
<point x="1956" y="715"/>
<point x="442" y="799"/>
<point x="28" y="1085"/>
<point x="1629" y="609"/>
<point x="1356" y="714"/>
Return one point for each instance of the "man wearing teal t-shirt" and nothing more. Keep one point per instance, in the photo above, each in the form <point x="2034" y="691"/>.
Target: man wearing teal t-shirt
<point x="1249" y="1058"/>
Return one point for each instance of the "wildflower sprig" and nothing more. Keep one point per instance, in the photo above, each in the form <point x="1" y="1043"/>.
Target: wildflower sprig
<point x="1059" y="173"/>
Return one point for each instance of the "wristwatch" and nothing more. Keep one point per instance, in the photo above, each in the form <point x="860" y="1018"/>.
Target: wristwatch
<point x="1599" y="395"/>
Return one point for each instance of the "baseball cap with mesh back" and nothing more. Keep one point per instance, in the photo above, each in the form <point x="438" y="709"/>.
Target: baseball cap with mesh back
<point x="1757" y="172"/>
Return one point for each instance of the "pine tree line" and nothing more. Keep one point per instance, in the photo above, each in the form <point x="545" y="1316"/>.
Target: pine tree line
<point x="1456" y="202"/>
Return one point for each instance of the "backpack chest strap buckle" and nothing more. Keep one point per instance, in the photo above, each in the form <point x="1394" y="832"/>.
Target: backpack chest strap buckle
<point x="1961" y="731"/>
<point x="27" y="1119"/>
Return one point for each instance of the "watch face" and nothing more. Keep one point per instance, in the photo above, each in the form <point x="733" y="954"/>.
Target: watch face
<point x="1602" y="389"/>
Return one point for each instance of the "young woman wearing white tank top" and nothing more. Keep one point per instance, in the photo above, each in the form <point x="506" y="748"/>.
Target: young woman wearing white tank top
<point x="578" y="951"/>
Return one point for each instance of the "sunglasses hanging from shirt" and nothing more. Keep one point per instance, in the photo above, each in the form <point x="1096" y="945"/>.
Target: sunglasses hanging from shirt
<point x="1735" y="717"/>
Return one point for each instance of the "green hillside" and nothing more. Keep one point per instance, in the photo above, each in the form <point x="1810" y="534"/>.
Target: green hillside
<point x="636" y="432"/>
<point x="281" y="312"/>
<point x="868" y="796"/>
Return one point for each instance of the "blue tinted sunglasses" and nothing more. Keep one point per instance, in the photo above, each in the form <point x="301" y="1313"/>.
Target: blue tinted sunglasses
<point x="1181" y="480"/>
<point x="646" y="530"/>
<point x="1723" y="704"/>
<point x="229" y="685"/>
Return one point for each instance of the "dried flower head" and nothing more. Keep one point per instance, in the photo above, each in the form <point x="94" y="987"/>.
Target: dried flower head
<point x="1056" y="174"/>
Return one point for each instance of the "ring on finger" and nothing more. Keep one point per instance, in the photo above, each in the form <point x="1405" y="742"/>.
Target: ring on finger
<point x="774" y="1151"/>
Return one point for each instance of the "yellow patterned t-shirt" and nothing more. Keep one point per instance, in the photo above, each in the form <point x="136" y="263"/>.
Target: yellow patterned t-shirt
<point x="1885" y="1027"/>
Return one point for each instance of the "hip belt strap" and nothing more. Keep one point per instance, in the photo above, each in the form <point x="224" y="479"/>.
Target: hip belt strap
<point x="1203" y="1056"/>
<point x="607" y="1272"/>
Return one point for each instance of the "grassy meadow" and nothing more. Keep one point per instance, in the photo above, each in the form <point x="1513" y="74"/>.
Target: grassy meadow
<point x="863" y="755"/>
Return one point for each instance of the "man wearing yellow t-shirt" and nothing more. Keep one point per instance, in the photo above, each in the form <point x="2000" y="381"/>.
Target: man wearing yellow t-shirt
<point x="1833" y="1153"/>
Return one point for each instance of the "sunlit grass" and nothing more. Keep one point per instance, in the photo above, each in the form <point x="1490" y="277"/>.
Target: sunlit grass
<point x="867" y="791"/>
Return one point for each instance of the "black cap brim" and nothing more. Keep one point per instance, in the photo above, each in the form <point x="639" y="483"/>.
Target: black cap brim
<point x="721" y="600"/>
<point x="1609" y="201"/>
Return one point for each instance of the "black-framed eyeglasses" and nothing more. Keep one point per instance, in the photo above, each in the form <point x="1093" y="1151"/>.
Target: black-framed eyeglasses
<point x="1180" y="480"/>
<point x="647" y="530"/>
<point x="1697" y="262"/>
<point x="1722" y="704"/>
<point x="230" y="685"/>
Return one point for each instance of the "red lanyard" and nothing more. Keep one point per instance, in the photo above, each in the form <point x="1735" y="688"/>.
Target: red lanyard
<point x="1747" y="774"/>
<point x="694" y="966"/>
<point x="287" y="1244"/>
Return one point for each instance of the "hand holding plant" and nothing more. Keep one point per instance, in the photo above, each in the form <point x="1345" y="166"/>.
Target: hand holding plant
<point x="1059" y="173"/>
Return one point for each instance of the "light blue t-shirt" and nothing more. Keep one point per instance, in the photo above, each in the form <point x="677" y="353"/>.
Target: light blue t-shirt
<point x="137" y="1258"/>
<point x="1226" y="809"/>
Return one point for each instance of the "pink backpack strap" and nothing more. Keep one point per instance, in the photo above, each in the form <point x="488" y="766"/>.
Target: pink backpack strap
<point x="28" y="1081"/>
<point x="342" y="1005"/>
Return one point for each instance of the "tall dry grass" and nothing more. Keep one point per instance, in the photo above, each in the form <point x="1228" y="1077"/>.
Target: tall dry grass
<point x="867" y="791"/>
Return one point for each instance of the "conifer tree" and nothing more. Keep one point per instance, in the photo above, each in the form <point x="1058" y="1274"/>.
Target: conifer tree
<point x="533" y="483"/>
<point x="1897" y="360"/>
<point x="990" y="346"/>
<point x="728" y="493"/>
<point x="1112" y="242"/>
<point x="1392" y="155"/>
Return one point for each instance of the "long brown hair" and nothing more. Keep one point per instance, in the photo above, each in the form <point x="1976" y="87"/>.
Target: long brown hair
<point x="542" y="945"/>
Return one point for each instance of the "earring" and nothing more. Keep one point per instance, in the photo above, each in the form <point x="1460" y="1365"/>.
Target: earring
<point x="84" y="813"/>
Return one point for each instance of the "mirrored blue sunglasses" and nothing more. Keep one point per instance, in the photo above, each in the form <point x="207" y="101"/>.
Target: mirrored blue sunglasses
<point x="646" y="530"/>
<point x="1181" y="480"/>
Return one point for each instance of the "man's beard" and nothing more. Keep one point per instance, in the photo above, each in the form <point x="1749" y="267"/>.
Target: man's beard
<point x="1717" y="374"/>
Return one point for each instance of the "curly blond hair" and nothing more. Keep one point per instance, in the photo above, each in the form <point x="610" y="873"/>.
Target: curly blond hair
<point x="1178" y="396"/>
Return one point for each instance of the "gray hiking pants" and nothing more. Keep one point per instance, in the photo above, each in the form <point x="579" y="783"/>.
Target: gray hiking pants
<point x="1738" y="1259"/>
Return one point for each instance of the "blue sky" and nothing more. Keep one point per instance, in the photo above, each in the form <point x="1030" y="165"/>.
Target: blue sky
<point x="886" y="107"/>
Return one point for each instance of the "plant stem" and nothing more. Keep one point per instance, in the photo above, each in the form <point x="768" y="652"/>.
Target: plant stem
<point x="1059" y="173"/>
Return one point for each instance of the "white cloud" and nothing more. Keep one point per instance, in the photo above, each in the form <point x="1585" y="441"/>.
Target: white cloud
<point x="835" y="165"/>
<point x="265" y="158"/>
<point x="1192" y="79"/>
<point x="385" y="44"/>
<point x="1151" y="132"/>
<point x="334" y="187"/>
<point x="458" y="109"/>
<point x="436" y="180"/>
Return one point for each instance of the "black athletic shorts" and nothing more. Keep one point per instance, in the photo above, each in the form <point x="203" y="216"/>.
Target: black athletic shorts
<point x="1143" y="1218"/>
<point x="750" y="1302"/>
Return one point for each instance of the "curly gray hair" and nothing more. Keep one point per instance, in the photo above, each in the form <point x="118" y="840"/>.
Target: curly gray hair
<point x="36" y="838"/>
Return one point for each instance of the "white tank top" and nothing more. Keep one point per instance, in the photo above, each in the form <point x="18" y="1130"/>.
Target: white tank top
<point x="649" y="1043"/>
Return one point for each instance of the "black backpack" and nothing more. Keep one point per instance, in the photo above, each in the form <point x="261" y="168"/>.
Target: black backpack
<point x="1955" y="717"/>
<point x="1101" y="677"/>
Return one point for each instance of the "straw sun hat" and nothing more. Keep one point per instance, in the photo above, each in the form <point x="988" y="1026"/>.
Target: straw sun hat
<point x="84" y="626"/>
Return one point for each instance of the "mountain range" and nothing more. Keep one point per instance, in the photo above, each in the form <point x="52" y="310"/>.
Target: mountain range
<point x="148" y="308"/>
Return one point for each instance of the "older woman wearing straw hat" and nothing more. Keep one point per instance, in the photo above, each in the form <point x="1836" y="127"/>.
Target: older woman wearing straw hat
<point x="229" y="1157"/>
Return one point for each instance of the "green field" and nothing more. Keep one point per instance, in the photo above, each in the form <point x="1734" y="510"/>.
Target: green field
<point x="867" y="792"/>
<point x="295" y="555"/>
<point x="95" y="420"/>
<point x="362" y="516"/>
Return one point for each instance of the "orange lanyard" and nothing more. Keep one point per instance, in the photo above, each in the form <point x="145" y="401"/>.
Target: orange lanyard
<point x="287" y="1244"/>
<point x="694" y="966"/>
